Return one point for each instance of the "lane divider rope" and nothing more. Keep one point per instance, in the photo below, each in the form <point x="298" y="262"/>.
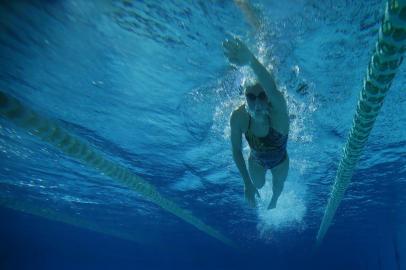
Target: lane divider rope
<point x="382" y="68"/>
<point x="49" y="131"/>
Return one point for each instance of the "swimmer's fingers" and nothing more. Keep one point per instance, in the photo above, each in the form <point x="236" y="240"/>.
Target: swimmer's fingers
<point x="232" y="43"/>
<point x="252" y="203"/>
<point x="249" y="202"/>
<point x="231" y="36"/>
<point x="236" y="54"/>
<point x="231" y="55"/>
<point x="250" y="196"/>
<point x="227" y="49"/>
<point x="228" y="46"/>
<point x="257" y="193"/>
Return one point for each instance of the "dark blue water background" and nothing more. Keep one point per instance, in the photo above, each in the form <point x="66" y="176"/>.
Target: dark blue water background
<point x="146" y="84"/>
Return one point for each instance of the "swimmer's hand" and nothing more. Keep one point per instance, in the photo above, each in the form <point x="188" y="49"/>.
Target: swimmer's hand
<point x="237" y="52"/>
<point x="250" y="191"/>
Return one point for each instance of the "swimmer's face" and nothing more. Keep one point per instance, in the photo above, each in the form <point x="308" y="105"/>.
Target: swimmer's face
<point x="257" y="100"/>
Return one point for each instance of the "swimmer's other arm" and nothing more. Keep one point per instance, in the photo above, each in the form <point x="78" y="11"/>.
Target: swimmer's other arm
<point x="236" y="142"/>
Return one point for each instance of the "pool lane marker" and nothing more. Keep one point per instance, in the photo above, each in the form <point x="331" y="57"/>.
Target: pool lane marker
<point x="49" y="131"/>
<point x="382" y="68"/>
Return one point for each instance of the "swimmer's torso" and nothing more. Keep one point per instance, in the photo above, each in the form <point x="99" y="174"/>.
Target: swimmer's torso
<point x="278" y="121"/>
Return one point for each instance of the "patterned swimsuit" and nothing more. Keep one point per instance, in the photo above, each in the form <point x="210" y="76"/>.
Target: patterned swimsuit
<point x="269" y="151"/>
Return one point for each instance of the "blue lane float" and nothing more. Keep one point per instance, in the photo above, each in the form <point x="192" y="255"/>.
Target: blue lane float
<point x="49" y="131"/>
<point x="382" y="68"/>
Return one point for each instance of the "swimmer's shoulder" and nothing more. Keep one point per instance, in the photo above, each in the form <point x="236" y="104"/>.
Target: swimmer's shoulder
<point x="239" y="118"/>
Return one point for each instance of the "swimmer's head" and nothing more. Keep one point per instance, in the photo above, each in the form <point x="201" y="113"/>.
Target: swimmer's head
<point x="256" y="99"/>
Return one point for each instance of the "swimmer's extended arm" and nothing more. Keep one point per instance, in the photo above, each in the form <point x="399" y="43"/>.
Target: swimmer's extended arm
<point x="238" y="53"/>
<point x="268" y="83"/>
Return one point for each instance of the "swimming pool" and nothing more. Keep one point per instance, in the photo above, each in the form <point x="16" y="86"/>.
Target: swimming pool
<point x="146" y="86"/>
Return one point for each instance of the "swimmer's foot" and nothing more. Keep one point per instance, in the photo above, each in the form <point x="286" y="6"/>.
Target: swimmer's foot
<point x="272" y="204"/>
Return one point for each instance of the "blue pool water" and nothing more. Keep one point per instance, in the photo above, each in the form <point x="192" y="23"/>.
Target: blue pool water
<point x="146" y="84"/>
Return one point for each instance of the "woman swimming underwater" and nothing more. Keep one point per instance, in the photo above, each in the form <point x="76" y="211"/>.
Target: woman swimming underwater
<point x="264" y="121"/>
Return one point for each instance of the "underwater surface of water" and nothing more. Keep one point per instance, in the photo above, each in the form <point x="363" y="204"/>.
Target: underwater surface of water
<point x="146" y="85"/>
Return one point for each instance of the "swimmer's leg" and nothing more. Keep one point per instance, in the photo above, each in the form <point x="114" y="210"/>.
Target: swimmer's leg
<point x="257" y="172"/>
<point x="279" y="175"/>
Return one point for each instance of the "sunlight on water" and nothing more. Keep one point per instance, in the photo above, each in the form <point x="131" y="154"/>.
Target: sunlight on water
<point x="73" y="199"/>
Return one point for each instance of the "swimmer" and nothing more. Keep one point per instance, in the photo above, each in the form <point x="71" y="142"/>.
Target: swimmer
<point x="264" y="120"/>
